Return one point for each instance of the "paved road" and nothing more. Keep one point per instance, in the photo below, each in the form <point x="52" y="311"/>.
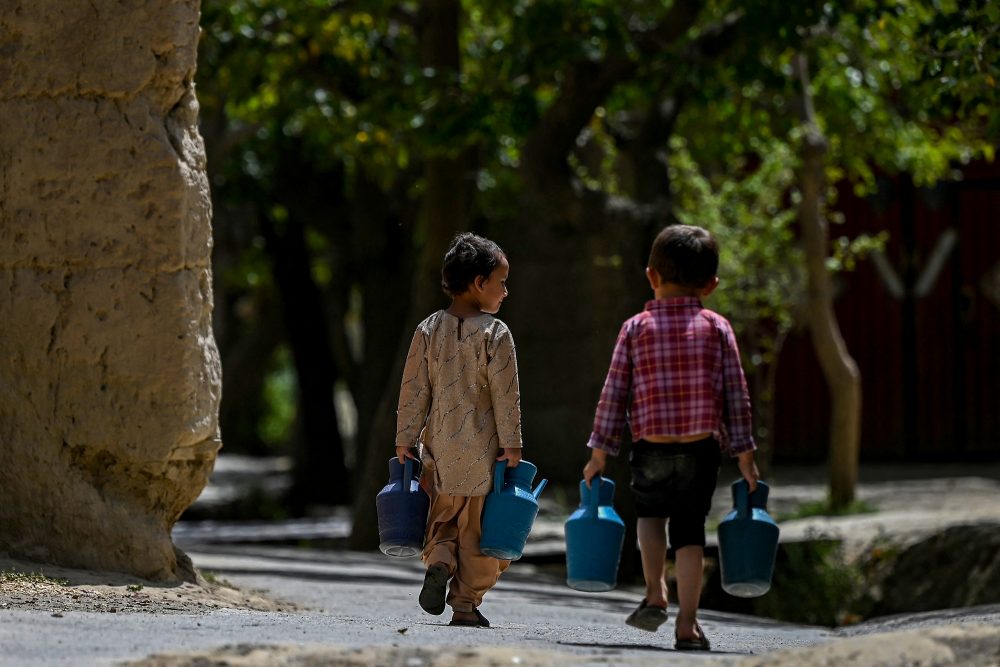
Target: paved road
<point x="364" y="603"/>
<point x="360" y="600"/>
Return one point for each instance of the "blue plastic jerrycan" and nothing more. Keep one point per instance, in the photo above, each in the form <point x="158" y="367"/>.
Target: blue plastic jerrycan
<point x="402" y="510"/>
<point x="748" y="543"/>
<point x="509" y="510"/>
<point x="594" y="537"/>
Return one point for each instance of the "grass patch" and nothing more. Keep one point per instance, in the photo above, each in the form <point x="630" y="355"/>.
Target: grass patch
<point x="215" y="580"/>
<point x="824" y="508"/>
<point x="15" y="577"/>
<point x="135" y="588"/>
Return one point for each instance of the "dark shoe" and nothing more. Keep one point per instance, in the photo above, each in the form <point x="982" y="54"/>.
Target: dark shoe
<point x="647" y="618"/>
<point x="432" y="595"/>
<point x="699" y="644"/>
<point x="480" y="622"/>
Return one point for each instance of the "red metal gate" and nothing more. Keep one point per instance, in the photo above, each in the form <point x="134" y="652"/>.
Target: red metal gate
<point x="923" y="325"/>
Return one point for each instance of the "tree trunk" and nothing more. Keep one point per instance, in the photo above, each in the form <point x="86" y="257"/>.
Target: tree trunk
<point x="445" y="209"/>
<point x="839" y="369"/>
<point x="244" y="368"/>
<point x="318" y="472"/>
<point x="379" y="238"/>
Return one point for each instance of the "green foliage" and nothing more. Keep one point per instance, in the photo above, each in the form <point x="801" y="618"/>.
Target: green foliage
<point x="870" y="90"/>
<point x="879" y="96"/>
<point x="875" y="565"/>
<point x="812" y="584"/>
<point x="346" y="82"/>
<point x="324" y="78"/>
<point x="338" y="91"/>
<point x="847" y="252"/>
<point x="278" y="418"/>
<point x="215" y="580"/>
<point x="825" y="508"/>
<point x="15" y="576"/>
<point x="760" y="266"/>
<point x="955" y="46"/>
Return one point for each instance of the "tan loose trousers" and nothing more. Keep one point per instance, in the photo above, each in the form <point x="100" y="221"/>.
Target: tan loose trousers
<point x="454" y="525"/>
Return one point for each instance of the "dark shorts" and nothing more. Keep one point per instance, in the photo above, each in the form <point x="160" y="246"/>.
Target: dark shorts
<point x="676" y="482"/>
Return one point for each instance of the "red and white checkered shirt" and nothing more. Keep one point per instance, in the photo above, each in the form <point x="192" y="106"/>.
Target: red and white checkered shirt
<point x="675" y="372"/>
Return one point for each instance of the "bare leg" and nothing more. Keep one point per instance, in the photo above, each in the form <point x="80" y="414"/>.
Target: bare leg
<point x="653" y="548"/>
<point x="690" y="560"/>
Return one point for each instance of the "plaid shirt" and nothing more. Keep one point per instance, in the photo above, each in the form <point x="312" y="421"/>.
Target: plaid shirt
<point x="675" y="372"/>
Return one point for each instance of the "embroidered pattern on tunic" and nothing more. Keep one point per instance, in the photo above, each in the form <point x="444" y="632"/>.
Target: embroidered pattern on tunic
<point x="459" y="399"/>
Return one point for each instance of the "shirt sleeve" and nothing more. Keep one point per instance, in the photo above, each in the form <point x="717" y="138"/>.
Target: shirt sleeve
<point x="736" y="396"/>
<point x="414" y="393"/>
<point x="501" y="373"/>
<point x="610" y="416"/>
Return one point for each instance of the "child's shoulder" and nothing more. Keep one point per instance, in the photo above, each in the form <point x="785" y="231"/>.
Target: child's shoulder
<point x="494" y="327"/>
<point x="487" y="324"/>
<point x="719" y="324"/>
<point x="715" y="318"/>
<point x="432" y="322"/>
<point x="637" y="320"/>
<point x="648" y="319"/>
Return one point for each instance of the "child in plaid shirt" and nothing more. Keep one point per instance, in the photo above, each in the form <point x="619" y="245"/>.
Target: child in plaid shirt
<point x="676" y="378"/>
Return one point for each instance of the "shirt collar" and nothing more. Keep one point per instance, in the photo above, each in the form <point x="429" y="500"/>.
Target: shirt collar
<point x="672" y="303"/>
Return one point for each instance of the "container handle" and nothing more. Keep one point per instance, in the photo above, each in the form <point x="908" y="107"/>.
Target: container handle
<point x="742" y="499"/>
<point x="498" y="475"/>
<point x="407" y="474"/>
<point x="594" y="496"/>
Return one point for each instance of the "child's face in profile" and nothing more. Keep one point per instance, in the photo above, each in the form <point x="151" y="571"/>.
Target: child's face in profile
<point x="493" y="289"/>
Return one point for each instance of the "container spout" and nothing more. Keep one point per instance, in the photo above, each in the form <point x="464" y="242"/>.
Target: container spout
<point x="538" y="489"/>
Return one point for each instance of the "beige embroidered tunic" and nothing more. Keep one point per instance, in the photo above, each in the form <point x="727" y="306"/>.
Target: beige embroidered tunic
<point x="460" y="399"/>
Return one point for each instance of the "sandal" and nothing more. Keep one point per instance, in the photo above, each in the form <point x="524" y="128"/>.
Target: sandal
<point x="647" y="618"/>
<point x="432" y="595"/>
<point x="698" y="644"/>
<point x="480" y="622"/>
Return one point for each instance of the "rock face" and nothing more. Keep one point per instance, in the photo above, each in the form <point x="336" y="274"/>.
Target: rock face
<point x="109" y="374"/>
<point x="959" y="567"/>
<point x="946" y="646"/>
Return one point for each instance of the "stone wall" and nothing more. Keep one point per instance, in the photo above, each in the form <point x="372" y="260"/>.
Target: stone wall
<point x="109" y="374"/>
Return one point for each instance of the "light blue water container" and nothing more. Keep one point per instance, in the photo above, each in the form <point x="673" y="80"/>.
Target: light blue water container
<point x="748" y="543"/>
<point x="510" y="510"/>
<point x="594" y="537"/>
<point x="402" y="510"/>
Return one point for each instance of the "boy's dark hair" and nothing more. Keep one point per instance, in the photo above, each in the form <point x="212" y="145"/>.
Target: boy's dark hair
<point x="685" y="255"/>
<point x="468" y="256"/>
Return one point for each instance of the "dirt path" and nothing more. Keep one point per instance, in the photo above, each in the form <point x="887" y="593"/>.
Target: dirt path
<point x="33" y="586"/>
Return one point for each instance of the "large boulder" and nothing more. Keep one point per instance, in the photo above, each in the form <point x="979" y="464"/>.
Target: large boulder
<point x="109" y="374"/>
<point x="958" y="567"/>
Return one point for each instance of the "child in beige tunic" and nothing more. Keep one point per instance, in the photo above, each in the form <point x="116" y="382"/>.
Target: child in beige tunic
<point x="459" y="402"/>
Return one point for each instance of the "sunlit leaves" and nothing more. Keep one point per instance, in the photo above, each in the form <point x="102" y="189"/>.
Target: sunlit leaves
<point x="898" y="85"/>
<point x="760" y="265"/>
<point x="847" y="252"/>
<point x="315" y="71"/>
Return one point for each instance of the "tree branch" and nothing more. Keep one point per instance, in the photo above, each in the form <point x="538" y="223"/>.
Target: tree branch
<point x="587" y="85"/>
